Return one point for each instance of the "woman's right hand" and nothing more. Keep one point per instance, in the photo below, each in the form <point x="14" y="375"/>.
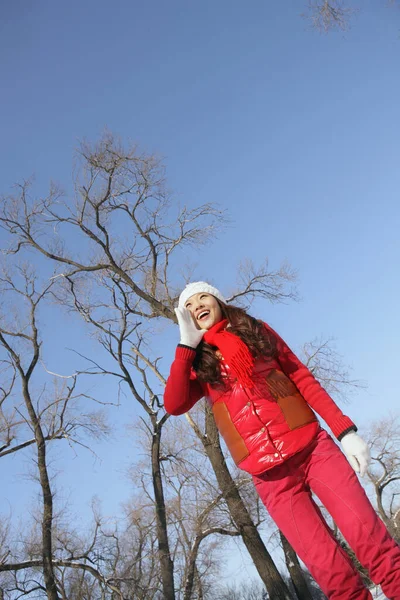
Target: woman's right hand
<point x="190" y="335"/>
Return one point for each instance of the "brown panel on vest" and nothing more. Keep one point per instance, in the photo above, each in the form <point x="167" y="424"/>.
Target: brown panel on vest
<point x="227" y="429"/>
<point x="295" y="409"/>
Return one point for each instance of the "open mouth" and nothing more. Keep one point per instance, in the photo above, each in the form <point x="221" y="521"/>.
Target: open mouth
<point x="203" y="315"/>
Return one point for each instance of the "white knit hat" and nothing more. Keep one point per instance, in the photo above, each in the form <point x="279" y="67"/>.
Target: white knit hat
<point x="196" y="288"/>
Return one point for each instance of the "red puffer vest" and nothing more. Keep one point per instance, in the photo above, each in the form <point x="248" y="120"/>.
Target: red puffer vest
<point x="264" y="426"/>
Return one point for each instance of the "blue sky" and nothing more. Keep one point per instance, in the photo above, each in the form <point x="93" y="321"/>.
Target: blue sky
<point x="295" y="133"/>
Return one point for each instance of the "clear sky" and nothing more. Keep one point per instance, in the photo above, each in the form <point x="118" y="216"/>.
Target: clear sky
<point x="295" y="133"/>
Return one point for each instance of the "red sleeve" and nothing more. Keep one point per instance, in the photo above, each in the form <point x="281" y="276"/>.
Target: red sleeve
<point x="182" y="389"/>
<point x="313" y="393"/>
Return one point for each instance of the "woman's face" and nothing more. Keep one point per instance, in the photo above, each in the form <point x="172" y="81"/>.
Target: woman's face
<point x="205" y="310"/>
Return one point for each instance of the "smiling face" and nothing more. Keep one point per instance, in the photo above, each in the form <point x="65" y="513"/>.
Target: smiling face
<point x="205" y="310"/>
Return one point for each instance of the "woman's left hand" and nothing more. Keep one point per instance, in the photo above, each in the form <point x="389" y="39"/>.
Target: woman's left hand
<point x="356" y="451"/>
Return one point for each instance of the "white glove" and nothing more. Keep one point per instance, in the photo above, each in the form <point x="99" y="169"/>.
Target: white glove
<point x="356" y="451"/>
<point x="190" y="335"/>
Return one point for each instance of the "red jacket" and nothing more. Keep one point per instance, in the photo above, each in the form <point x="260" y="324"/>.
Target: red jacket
<point x="264" y="426"/>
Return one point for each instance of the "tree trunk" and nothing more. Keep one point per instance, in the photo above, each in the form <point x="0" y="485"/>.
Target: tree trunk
<point x="272" y="579"/>
<point x="166" y="563"/>
<point x="200" y="595"/>
<point x="381" y="510"/>
<point x="295" y="571"/>
<point x="47" y="548"/>
<point x="191" y="570"/>
<point x="47" y="521"/>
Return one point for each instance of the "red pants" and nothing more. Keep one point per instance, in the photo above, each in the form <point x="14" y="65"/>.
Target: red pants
<point x="286" y="492"/>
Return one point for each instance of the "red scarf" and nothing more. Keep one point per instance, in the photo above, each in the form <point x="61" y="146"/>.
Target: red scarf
<point x="235" y="352"/>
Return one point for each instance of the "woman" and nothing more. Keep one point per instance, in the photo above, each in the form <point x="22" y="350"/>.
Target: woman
<point x="263" y="400"/>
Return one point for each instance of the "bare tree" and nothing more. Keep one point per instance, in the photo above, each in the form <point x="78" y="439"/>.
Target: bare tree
<point x="84" y="566"/>
<point x="251" y="590"/>
<point x="332" y="15"/>
<point x="328" y="15"/>
<point x="40" y="415"/>
<point x="138" y="567"/>
<point x="327" y="365"/>
<point x="384" y="472"/>
<point x="22" y="349"/>
<point x="120" y="334"/>
<point x="116" y="560"/>
<point x="198" y="511"/>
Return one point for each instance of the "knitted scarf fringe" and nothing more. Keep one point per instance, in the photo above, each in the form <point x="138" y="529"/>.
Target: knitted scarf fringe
<point x="235" y="352"/>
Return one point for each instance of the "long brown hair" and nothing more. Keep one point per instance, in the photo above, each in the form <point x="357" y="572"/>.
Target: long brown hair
<point x="250" y="330"/>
